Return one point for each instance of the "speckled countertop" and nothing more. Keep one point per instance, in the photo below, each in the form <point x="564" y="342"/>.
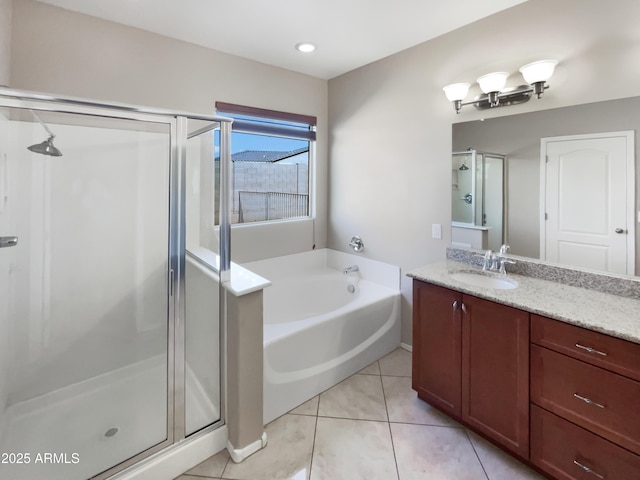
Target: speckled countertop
<point x="614" y="315"/>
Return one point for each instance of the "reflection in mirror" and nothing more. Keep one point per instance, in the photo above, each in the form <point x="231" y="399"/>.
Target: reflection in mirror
<point x="519" y="137"/>
<point x="477" y="200"/>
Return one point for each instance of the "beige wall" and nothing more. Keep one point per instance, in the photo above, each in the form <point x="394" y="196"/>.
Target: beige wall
<point x="390" y="124"/>
<point x="63" y="52"/>
<point x="390" y="140"/>
<point x="6" y="7"/>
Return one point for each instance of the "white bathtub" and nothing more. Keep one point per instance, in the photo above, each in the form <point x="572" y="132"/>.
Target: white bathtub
<point x="316" y="331"/>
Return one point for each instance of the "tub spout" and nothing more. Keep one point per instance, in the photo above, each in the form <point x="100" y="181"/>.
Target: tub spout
<point x="352" y="268"/>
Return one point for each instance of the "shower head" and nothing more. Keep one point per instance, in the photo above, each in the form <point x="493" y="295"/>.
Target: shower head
<point x="463" y="167"/>
<point x="46" y="148"/>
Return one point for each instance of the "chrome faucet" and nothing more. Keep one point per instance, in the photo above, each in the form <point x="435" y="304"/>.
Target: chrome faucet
<point x="502" y="259"/>
<point x="489" y="258"/>
<point x="495" y="262"/>
<point x="352" y="268"/>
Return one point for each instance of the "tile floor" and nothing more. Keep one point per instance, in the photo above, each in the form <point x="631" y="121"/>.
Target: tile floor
<point x="370" y="426"/>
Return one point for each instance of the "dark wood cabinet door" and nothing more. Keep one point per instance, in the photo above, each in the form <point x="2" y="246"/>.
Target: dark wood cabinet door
<point x="436" y="346"/>
<point x="495" y="372"/>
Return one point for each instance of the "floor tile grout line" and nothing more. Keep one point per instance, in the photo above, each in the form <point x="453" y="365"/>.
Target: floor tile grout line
<point x="224" y="470"/>
<point x="476" y="452"/>
<point x="393" y="449"/>
<point x="393" y="445"/>
<point x="355" y="419"/>
<point x="428" y="425"/>
<point x="313" y="446"/>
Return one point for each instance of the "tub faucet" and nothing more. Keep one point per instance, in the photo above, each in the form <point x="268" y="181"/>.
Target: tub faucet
<point x="352" y="268"/>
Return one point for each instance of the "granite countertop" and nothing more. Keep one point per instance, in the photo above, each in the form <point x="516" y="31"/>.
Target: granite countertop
<point x="602" y="312"/>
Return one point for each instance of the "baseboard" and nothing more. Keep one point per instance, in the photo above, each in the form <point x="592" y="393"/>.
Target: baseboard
<point x="239" y="454"/>
<point x="408" y="348"/>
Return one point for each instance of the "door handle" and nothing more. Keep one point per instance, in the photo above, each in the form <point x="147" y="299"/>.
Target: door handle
<point x="8" y="242"/>
<point x="620" y="230"/>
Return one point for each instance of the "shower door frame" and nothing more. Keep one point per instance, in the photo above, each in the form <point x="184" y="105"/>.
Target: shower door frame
<point x="175" y="275"/>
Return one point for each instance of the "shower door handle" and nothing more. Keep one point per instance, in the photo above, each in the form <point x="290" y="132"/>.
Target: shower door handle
<point x="8" y="242"/>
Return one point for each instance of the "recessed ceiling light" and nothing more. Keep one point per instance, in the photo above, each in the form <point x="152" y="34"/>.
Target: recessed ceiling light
<point x="305" y="47"/>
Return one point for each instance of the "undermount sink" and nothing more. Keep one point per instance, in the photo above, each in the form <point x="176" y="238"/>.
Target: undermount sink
<point x="482" y="280"/>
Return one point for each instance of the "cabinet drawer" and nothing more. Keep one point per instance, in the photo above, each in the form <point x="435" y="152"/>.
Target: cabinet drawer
<point x="599" y="400"/>
<point x="612" y="353"/>
<point x="559" y="448"/>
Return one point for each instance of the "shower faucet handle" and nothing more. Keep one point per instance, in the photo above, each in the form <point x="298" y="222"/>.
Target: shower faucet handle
<point x="356" y="243"/>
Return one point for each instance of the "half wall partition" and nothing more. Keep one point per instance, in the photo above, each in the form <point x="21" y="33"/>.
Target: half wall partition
<point x="107" y="353"/>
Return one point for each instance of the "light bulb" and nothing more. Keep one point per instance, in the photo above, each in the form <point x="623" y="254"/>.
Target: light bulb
<point x="305" y="47"/>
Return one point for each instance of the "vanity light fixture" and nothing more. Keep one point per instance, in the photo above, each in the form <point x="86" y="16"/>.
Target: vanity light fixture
<point x="495" y="94"/>
<point x="305" y="47"/>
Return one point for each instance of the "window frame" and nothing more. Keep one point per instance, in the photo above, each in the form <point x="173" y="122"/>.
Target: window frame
<point x="241" y="124"/>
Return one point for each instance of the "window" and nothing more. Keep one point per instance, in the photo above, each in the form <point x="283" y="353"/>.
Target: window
<point x="270" y="153"/>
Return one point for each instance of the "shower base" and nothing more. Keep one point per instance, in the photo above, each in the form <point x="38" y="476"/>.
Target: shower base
<point x="81" y="430"/>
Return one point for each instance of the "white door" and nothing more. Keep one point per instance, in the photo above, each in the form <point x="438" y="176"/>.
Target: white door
<point x="587" y="195"/>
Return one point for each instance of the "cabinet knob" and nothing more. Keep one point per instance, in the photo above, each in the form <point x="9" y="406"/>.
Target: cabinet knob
<point x="455" y="305"/>
<point x="464" y="308"/>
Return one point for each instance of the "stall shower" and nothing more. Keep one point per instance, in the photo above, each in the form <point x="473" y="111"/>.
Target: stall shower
<point x="107" y="355"/>
<point x="478" y="199"/>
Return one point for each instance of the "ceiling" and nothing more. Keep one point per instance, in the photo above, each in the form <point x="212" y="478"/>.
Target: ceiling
<point x="348" y="33"/>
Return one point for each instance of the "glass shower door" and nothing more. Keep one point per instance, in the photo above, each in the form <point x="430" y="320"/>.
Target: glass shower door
<point x="84" y="294"/>
<point x="202" y="281"/>
<point x="463" y="188"/>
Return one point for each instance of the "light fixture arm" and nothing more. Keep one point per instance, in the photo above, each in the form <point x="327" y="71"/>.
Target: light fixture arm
<point x="537" y="89"/>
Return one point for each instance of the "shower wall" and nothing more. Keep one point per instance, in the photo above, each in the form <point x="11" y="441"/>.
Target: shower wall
<point x="77" y="323"/>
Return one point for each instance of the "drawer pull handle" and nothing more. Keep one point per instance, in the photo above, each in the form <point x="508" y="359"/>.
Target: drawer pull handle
<point x="589" y="401"/>
<point x="587" y="469"/>
<point x="591" y="350"/>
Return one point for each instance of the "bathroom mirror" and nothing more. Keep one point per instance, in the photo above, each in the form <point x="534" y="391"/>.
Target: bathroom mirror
<point x="519" y="136"/>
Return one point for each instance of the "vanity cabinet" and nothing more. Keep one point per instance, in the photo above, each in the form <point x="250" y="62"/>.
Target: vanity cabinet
<point x="585" y="395"/>
<point x="437" y="347"/>
<point x="561" y="398"/>
<point x="471" y="360"/>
